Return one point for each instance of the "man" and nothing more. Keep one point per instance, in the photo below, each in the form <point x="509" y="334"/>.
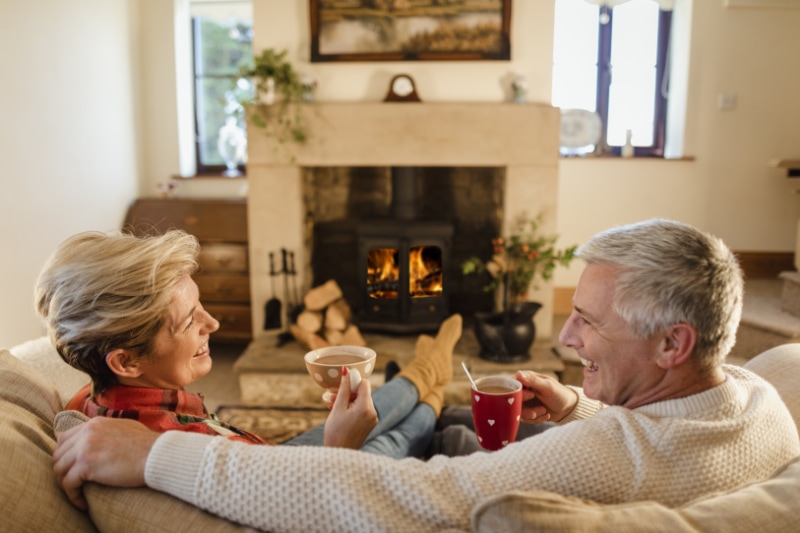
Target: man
<point x="659" y="417"/>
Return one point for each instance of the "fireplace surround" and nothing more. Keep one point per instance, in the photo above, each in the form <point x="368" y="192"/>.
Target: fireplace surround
<point x="520" y="138"/>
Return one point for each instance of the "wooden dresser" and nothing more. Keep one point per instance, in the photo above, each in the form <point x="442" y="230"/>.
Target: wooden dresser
<point x="221" y="228"/>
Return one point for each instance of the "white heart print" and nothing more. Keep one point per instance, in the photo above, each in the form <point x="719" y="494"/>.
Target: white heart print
<point x="505" y="443"/>
<point x="511" y="401"/>
<point x="491" y="422"/>
<point x="477" y="398"/>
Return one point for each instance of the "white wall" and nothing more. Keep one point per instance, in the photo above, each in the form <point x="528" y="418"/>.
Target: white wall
<point x="728" y="189"/>
<point x="68" y="138"/>
<point x="89" y="123"/>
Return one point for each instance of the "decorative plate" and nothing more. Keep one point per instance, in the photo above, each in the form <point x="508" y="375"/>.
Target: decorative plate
<point x="580" y="128"/>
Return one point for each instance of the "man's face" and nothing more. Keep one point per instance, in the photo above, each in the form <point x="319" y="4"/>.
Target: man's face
<point x="619" y="368"/>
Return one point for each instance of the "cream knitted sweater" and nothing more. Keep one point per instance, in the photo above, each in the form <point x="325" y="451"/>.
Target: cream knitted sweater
<point x="670" y="452"/>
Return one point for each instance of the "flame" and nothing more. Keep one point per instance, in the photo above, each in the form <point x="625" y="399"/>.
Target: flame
<point x="425" y="271"/>
<point x="424" y="268"/>
<point x="383" y="273"/>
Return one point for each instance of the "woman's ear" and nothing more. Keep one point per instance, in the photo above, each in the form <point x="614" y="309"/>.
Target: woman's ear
<point x="123" y="363"/>
<point x="677" y="345"/>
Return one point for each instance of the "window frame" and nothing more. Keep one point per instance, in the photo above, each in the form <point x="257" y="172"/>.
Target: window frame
<point x="202" y="169"/>
<point x="656" y="149"/>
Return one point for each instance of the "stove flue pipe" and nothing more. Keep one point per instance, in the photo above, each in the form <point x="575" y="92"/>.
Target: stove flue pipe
<point x="404" y="192"/>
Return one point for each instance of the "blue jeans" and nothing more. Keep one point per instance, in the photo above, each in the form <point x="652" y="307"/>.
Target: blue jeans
<point x="405" y="426"/>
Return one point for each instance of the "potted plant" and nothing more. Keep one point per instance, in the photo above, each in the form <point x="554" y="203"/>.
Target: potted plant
<point x="275" y="104"/>
<point x="517" y="263"/>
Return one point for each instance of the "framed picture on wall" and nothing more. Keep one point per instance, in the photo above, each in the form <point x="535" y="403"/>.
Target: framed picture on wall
<point x="410" y="30"/>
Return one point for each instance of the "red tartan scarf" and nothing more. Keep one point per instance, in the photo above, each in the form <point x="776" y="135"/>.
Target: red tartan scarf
<point x="158" y="409"/>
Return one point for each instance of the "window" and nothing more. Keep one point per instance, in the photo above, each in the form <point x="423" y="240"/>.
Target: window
<point x="613" y="60"/>
<point x="222" y="34"/>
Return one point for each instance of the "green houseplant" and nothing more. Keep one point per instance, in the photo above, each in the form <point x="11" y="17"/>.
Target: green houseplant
<point x="518" y="261"/>
<point x="278" y="95"/>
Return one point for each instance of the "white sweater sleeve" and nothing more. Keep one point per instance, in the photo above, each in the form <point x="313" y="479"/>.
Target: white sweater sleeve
<point x="734" y="434"/>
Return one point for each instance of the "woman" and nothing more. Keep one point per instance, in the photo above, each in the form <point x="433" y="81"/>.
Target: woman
<point x="126" y="311"/>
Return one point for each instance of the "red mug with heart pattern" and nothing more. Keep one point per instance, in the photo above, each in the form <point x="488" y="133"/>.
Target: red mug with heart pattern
<point x="496" y="410"/>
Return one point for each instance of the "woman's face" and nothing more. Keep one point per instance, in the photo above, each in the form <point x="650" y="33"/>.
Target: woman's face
<point x="180" y="350"/>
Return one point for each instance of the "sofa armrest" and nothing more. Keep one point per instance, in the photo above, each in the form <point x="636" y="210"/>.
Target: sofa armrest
<point x="772" y="502"/>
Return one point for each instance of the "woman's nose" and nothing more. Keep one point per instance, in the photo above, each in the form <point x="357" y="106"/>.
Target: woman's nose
<point x="212" y="324"/>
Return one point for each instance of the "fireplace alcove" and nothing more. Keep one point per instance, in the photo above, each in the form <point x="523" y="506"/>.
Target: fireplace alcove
<point x="432" y="218"/>
<point x="521" y="140"/>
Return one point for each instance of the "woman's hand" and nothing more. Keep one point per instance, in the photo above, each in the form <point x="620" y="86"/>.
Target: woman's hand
<point x="350" y="423"/>
<point x="544" y="398"/>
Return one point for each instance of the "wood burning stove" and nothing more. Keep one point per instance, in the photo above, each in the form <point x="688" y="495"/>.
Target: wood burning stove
<point x="403" y="265"/>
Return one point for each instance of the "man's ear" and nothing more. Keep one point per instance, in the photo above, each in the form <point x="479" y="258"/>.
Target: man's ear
<point x="123" y="363"/>
<point x="677" y="345"/>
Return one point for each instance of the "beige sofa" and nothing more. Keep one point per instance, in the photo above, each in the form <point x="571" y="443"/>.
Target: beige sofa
<point x="34" y="383"/>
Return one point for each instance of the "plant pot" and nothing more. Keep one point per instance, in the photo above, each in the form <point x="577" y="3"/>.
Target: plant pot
<point x="507" y="336"/>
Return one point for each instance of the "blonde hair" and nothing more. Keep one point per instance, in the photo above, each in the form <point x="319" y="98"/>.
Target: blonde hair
<point x="100" y="292"/>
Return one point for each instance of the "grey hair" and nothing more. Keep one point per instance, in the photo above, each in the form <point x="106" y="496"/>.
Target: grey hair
<point x="673" y="273"/>
<point x="100" y="292"/>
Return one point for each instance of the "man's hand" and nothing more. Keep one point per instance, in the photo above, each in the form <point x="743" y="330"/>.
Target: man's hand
<point x="110" y="451"/>
<point x="350" y="423"/>
<point x="544" y="398"/>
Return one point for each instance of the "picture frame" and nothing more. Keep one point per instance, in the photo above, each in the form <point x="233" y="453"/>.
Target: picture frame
<point x="405" y="30"/>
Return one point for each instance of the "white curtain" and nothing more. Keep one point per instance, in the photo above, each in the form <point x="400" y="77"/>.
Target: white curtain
<point x="665" y="5"/>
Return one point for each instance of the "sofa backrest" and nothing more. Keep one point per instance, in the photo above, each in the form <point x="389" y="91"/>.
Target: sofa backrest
<point x="781" y="367"/>
<point x="32" y="499"/>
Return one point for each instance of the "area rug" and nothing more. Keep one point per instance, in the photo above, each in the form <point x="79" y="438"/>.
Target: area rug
<point x="275" y="424"/>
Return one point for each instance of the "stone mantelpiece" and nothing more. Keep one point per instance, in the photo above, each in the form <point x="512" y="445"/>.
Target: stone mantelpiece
<point x="521" y="138"/>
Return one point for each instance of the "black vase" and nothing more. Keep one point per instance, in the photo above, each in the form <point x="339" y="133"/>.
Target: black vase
<point x="507" y="336"/>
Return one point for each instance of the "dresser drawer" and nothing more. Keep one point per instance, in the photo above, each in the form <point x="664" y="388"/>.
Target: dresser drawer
<point x="223" y="287"/>
<point x="234" y="322"/>
<point x="223" y="258"/>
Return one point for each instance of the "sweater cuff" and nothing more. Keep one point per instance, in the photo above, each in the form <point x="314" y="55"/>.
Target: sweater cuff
<point x="174" y="463"/>
<point x="585" y="408"/>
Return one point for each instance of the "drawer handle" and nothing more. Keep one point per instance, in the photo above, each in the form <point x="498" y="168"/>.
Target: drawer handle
<point x="224" y="260"/>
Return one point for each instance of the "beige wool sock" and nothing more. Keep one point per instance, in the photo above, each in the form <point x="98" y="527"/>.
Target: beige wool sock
<point x="432" y="366"/>
<point x="435" y="398"/>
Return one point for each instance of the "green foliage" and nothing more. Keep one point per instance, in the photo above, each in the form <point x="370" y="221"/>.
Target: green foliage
<point x="284" y="118"/>
<point x="519" y="259"/>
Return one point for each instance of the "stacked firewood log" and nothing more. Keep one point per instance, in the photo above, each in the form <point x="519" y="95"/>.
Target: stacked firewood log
<point x="326" y="319"/>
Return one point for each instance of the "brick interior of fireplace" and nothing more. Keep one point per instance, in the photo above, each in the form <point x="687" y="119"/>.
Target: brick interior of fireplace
<point x="338" y="198"/>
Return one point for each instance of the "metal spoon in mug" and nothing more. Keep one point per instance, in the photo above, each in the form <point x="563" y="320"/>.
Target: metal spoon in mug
<point x="464" y="366"/>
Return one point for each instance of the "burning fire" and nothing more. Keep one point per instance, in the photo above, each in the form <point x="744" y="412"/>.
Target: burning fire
<point x="425" y="272"/>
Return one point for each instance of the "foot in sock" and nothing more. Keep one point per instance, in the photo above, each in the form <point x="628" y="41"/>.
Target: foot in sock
<point x="432" y="366"/>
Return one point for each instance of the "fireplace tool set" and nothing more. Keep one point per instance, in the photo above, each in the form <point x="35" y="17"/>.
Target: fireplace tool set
<point x="275" y="315"/>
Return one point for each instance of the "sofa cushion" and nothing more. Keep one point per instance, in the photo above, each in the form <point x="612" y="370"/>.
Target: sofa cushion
<point x="41" y="354"/>
<point x="142" y="509"/>
<point x="781" y="367"/>
<point x="772" y="502"/>
<point x="32" y="499"/>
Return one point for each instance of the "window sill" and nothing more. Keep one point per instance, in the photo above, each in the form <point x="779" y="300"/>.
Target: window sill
<point x="176" y="177"/>
<point x="593" y="157"/>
